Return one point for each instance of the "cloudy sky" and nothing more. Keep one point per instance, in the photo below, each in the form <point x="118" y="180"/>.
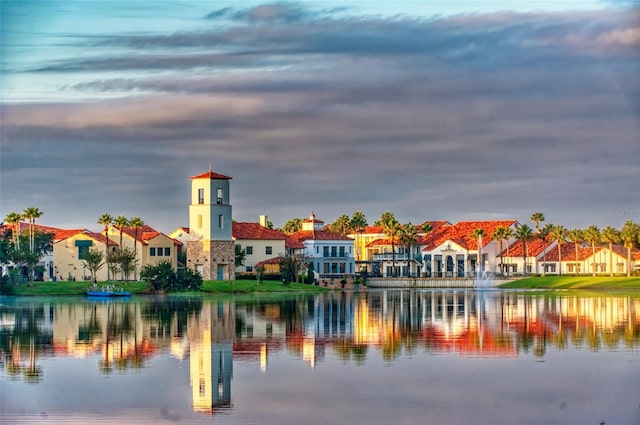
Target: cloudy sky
<point x="433" y="110"/>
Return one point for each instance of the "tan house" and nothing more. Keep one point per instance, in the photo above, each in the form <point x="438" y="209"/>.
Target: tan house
<point x="69" y="249"/>
<point x="260" y="243"/>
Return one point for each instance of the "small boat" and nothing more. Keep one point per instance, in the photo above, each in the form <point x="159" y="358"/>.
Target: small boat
<point x="107" y="291"/>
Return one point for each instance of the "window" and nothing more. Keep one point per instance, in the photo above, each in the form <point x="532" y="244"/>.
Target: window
<point x="325" y="251"/>
<point x="152" y="252"/>
<point x="326" y="268"/>
<point x="221" y="221"/>
<point x="268" y="250"/>
<point x="334" y="251"/>
<point x="249" y="250"/>
<point x="341" y="251"/>
<point x="249" y="269"/>
<point x="219" y="196"/>
<point x="159" y="251"/>
<point x="343" y="268"/>
<point x="200" y="196"/>
<point x="82" y="252"/>
<point x="167" y="252"/>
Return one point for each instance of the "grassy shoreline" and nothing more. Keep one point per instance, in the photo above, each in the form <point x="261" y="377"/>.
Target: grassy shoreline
<point x="141" y="288"/>
<point x="575" y="282"/>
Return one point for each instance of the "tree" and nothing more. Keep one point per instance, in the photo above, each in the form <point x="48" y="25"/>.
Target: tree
<point x="385" y="216"/>
<point x="13" y="219"/>
<point x="125" y="258"/>
<point x="524" y="234"/>
<point x="292" y="226"/>
<point x="499" y="234"/>
<point x="610" y="236"/>
<point x="537" y="218"/>
<point x="120" y="222"/>
<point x="390" y="227"/>
<point x="508" y="234"/>
<point x="106" y="220"/>
<point x="241" y="255"/>
<point x="342" y="225"/>
<point x="358" y="223"/>
<point x="135" y="223"/>
<point x="543" y="235"/>
<point x="629" y="235"/>
<point x="310" y="272"/>
<point x="478" y="234"/>
<point x="409" y="238"/>
<point x="290" y="266"/>
<point x="259" y="269"/>
<point x="93" y="262"/>
<point x="576" y="236"/>
<point x="31" y="214"/>
<point x="592" y="236"/>
<point x="559" y="234"/>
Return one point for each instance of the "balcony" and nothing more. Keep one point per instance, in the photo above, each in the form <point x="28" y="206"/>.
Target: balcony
<point x="387" y="256"/>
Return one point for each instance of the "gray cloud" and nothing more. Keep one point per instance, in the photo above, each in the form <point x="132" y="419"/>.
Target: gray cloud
<point x="460" y="118"/>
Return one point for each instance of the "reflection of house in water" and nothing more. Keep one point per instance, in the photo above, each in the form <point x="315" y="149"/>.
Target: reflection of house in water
<point x="211" y="356"/>
<point x="258" y="332"/>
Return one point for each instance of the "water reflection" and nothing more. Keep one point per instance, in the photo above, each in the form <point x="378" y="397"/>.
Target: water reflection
<point x="123" y="336"/>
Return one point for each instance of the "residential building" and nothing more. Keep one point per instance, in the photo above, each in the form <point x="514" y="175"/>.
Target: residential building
<point x="331" y="253"/>
<point x="151" y="245"/>
<point x="70" y="247"/>
<point x="260" y="243"/>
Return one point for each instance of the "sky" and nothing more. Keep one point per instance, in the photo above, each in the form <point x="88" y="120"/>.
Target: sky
<point x="433" y="110"/>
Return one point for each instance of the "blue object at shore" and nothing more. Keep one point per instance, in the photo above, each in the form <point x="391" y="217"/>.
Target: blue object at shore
<point x="106" y="292"/>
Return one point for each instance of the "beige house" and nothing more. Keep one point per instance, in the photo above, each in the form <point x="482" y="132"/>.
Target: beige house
<point x="260" y="243"/>
<point x="151" y="245"/>
<point x="69" y="249"/>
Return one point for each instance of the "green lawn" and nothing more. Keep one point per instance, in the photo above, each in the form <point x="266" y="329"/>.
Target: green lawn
<point x="209" y="286"/>
<point x="575" y="282"/>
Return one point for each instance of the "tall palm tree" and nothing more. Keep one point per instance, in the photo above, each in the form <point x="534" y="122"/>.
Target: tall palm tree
<point x="559" y="234"/>
<point x="409" y="238"/>
<point x="341" y="226"/>
<point x="390" y="227"/>
<point x="576" y="236"/>
<point x="610" y="236"/>
<point x="478" y="234"/>
<point x="13" y="219"/>
<point x="31" y="214"/>
<point x="358" y="223"/>
<point x="120" y="222"/>
<point x="629" y="234"/>
<point x="498" y="235"/>
<point x="537" y="218"/>
<point x="508" y="234"/>
<point x="592" y="236"/>
<point x="543" y="235"/>
<point x="524" y="234"/>
<point x="135" y="223"/>
<point x="106" y="220"/>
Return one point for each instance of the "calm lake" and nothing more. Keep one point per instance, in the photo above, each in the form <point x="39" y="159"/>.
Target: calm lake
<point x="371" y="357"/>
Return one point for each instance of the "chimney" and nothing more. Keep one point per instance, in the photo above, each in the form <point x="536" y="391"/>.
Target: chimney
<point x="264" y="220"/>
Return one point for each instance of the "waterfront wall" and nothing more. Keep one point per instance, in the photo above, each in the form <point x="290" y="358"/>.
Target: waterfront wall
<point x="425" y="282"/>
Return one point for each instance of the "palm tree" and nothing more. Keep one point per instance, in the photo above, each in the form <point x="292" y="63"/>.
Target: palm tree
<point x="409" y="238"/>
<point x="478" y="234"/>
<point x="135" y="223"/>
<point x="576" y="236"/>
<point x="537" y="218"/>
<point x="31" y="214"/>
<point x="524" y="234"/>
<point x="106" y="220"/>
<point x="543" y="234"/>
<point x="592" y="236"/>
<point x="292" y="226"/>
<point x="13" y="219"/>
<point x="390" y="227"/>
<point x="508" y="234"/>
<point x="120" y="222"/>
<point x="628" y="235"/>
<point x="610" y="236"/>
<point x="499" y="235"/>
<point x="559" y="234"/>
<point x="358" y="223"/>
<point x="341" y="226"/>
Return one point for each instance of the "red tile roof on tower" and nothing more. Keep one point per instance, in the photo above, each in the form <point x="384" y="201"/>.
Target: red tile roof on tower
<point x="242" y="230"/>
<point x="211" y="176"/>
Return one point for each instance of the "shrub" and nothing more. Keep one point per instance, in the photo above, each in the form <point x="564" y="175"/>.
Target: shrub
<point x="6" y="287"/>
<point x="162" y="277"/>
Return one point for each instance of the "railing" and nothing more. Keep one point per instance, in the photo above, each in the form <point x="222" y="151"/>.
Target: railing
<point x="387" y="256"/>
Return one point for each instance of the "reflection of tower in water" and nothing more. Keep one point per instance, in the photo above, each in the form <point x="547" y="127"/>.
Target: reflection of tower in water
<point x="211" y="357"/>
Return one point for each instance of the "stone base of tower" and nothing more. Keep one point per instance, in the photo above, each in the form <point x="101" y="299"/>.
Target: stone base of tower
<point x="215" y="260"/>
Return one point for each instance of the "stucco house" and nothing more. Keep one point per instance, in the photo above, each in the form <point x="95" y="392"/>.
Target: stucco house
<point x="331" y="253"/>
<point x="260" y="243"/>
<point x="69" y="249"/>
<point x="538" y="260"/>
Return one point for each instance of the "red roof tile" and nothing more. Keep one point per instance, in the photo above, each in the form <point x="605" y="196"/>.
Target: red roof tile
<point x="534" y="247"/>
<point x="211" y="176"/>
<point x="568" y="251"/>
<point x="461" y="233"/>
<point x="242" y="230"/>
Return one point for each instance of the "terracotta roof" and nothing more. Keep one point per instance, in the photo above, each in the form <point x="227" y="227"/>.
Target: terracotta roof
<point x="292" y="243"/>
<point x="461" y="233"/>
<point x="62" y="234"/>
<point x="568" y="250"/>
<point x="211" y="176"/>
<point x="145" y="233"/>
<point x="622" y="251"/>
<point x="322" y="235"/>
<point x="534" y="247"/>
<point x="274" y="260"/>
<point x="242" y="230"/>
<point x="372" y="230"/>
